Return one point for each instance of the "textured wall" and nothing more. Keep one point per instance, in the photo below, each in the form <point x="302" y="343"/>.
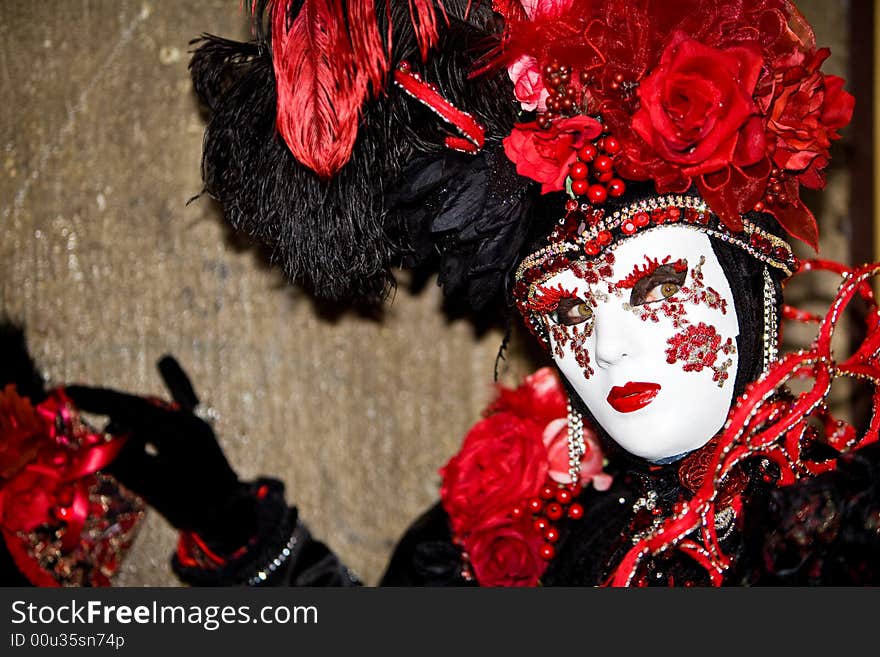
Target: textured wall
<point x="110" y="268"/>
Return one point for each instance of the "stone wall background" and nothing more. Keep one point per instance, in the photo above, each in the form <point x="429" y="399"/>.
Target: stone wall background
<point x="109" y="268"/>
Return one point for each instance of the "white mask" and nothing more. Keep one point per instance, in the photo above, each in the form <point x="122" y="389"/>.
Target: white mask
<point x="648" y="341"/>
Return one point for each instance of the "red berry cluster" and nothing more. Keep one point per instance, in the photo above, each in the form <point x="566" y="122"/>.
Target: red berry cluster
<point x="554" y="502"/>
<point x="776" y="193"/>
<point x="596" y="160"/>
<point x="562" y="99"/>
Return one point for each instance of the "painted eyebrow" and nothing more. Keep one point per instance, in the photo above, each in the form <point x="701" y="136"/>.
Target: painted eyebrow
<point x="547" y="299"/>
<point x="651" y="265"/>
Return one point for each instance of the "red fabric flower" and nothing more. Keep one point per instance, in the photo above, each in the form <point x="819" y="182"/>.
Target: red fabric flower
<point x="528" y="84"/>
<point x="807" y="109"/>
<point x="540" y="398"/>
<point x="545" y="155"/>
<point x="501" y="462"/>
<point x="540" y="8"/>
<point x="506" y="555"/>
<point x="696" y="103"/>
<point x="555" y="438"/>
<point x="505" y="460"/>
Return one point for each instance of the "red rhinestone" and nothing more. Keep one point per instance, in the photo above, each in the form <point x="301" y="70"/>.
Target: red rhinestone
<point x="611" y="145"/>
<point x="551" y="535"/>
<point x="571" y="205"/>
<point x="547" y="552"/>
<point x="641" y="219"/>
<point x="592" y="248"/>
<point x="535" y="505"/>
<point x="628" y="227"/>
<point x="547" y="492"/>
<point x="603" y="163"/>
<point x="579" y="187"/>
<point x="604" y="238"/>
<point x="575" y="511"/>
<point x="554" y="511"/>
<point x="563" y="496"/>
<point x="674" y="214"/>
<point x="689" y="215"/>
<point x="587" y="153"/>
<point x="597" y="194"/>
<point x="780" y="254"/>
<point x="616" y="187"/>
<point x="516" y="512"/>
<point x="579" y="171"/>
<point x="540" y="525"/>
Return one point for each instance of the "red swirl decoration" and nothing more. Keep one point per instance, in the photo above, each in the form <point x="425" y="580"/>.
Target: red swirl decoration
<point x="761" y="424"/>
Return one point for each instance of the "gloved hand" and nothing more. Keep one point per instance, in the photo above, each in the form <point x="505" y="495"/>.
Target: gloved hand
<point x="172" y="460"/>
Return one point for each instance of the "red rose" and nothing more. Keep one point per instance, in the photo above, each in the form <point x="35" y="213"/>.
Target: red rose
<point x="544" y="155"/>
<point x="555" y="438"/>
<point x="540" y="397"/>
<point x="502" y="462"/>
<point x="506" y="555"/>
<point x="696" y="105"/>
<point x="528" y="85"/>
<point x="807" y="109"/>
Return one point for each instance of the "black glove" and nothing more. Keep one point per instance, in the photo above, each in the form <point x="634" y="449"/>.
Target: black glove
<point x="183" y="474"/>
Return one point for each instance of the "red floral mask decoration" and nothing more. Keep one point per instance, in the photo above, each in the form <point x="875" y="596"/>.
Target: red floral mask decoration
<point x="726" y="98"/>
<point x="509" y="483"/>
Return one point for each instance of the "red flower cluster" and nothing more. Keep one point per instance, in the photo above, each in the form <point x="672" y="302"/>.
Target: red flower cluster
<point x="507" y="459"/>
<point x="727" y="97"/>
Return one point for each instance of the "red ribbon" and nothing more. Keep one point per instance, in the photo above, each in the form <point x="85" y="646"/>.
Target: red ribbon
<point x="473" y="135"/>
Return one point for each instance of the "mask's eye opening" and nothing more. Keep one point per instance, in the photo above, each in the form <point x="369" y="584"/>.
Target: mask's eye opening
<point x="571" y="311"/>
<point x="661" y="284"/>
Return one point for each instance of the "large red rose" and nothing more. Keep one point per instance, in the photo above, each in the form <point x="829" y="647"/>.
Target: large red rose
<point x="696" y="106"/>
<point x="502" y="462"/>
<point x="807" y="109"/>
<point x="506" y="555"/>
<point x="544" y="155"/>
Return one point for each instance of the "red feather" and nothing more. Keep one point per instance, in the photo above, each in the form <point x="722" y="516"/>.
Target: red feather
<point x="327" y="62"/>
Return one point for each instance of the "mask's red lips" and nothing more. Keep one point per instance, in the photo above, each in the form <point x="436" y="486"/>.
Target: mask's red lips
<point x="632" y="396"/>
